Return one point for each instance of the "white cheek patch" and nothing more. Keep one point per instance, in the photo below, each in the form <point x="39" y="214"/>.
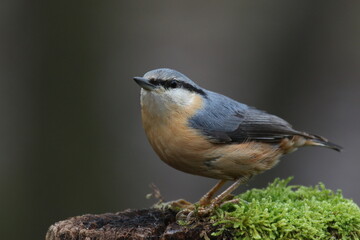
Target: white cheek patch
<point x="164" y="101"/>
<point x="179" y="96"/>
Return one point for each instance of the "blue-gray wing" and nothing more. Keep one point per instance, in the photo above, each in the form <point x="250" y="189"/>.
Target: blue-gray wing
<point x="224" y="120"/>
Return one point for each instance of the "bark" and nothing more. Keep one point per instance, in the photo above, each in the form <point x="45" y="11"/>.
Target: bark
<point x="129" y="224"/>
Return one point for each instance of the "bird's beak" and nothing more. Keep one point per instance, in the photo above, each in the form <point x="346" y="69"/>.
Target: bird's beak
<point x="144" y="83"/>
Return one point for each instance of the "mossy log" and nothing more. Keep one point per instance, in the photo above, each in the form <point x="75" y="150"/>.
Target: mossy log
<point x="277" y="212"/>
<point x="130" y="224"/>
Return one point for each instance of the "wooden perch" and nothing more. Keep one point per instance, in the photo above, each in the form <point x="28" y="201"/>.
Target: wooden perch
<point x="129" y="224"/>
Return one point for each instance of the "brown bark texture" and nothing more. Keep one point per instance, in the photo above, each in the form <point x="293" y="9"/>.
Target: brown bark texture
<point x="129" y="224"/>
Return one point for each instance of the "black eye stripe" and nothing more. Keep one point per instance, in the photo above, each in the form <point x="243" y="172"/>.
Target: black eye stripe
<point x="191" y="88"/>
<point x="167" y="84"/>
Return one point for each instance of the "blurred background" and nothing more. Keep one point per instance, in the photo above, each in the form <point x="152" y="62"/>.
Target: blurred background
<point x="71" y="140"/>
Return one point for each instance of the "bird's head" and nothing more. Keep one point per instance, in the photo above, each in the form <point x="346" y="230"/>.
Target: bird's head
<point x="166" y="89"/>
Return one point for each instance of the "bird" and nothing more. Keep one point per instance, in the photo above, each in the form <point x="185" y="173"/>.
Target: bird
<point x="205" y="133"/>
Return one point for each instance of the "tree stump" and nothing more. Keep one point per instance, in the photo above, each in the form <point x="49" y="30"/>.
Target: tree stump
<point x="129" y="224"/>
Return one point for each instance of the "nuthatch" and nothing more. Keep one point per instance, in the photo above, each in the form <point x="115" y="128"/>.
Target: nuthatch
<point x="208" y="134"/>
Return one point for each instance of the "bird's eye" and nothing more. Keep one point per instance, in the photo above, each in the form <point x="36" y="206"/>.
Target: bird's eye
<point x="173" y="84"/>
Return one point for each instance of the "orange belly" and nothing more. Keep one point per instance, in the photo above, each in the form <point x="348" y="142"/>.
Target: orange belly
<point x="187" y="150"/>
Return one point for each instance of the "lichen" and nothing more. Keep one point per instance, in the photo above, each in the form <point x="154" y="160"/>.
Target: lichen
<point x="281" y="211"/>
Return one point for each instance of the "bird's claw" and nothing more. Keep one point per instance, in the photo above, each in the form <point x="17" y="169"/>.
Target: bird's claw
<point x="191" y="214"/>
<point x="194" y="212"/>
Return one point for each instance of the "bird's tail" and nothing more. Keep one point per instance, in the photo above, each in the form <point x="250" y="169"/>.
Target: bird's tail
<point x="314" y="140"/>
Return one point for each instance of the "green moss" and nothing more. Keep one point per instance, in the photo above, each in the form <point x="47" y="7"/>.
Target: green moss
<point x="289" y="212"/>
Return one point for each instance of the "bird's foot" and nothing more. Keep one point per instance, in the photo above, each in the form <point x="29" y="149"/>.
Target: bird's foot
<point x="189" y="215"/>
<point x="196" y="211"/>
<point x="176" y="206"/>
<point x="219" y="202"/>
<point x="181" y="204"/>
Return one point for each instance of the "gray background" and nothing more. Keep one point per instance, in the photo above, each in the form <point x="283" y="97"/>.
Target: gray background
<point x="71" y="140"/>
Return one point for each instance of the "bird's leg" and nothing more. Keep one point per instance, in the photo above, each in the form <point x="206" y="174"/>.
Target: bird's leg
<point x="189" y="213"/>
<point x="229" y="190"/>
<point x="206" y="199"/>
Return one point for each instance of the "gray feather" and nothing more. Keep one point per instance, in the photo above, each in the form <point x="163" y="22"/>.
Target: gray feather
<point x="225" y="120"/>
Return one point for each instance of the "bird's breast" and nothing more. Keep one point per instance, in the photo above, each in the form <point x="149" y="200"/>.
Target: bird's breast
<point x="177" y="144"/>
